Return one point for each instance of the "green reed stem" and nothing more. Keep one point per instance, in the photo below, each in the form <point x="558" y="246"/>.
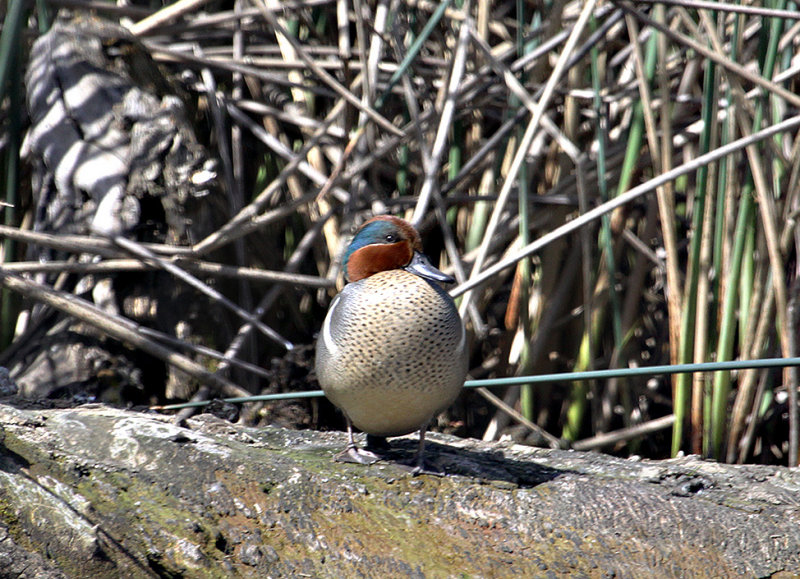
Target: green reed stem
<point x="689" y="313"/>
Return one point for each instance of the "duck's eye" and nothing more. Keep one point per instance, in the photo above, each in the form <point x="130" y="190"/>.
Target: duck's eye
<point x="390" y="238"/>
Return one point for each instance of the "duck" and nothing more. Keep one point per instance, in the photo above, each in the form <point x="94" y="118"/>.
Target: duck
<point x="392" y="351"/>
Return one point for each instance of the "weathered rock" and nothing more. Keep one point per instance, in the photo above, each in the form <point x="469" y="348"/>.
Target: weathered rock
<point x="96" y="491"/>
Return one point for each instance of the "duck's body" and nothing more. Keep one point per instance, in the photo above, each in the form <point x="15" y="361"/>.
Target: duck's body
<point x="392" y="351"/>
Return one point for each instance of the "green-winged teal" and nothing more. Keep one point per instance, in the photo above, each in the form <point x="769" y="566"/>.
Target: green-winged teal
<point x="392" y="351"/>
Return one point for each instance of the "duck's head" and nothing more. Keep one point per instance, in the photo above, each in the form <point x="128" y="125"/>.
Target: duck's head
<point x="385" y="243"/>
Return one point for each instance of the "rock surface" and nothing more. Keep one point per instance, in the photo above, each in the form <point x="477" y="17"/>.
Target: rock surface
<point x="98" y="491"/>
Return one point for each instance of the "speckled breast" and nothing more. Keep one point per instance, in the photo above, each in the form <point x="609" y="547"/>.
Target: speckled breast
<point x="391" y="353"/>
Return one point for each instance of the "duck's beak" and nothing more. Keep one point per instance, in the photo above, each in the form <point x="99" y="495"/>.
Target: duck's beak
<point x="422" y="267"/>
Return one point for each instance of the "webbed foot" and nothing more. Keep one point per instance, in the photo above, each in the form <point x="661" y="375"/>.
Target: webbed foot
<point x="417" y="467"/>
<point x="355" y="455"/>
<point x="418" y="470"/>
<point x="418" y="464"/>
